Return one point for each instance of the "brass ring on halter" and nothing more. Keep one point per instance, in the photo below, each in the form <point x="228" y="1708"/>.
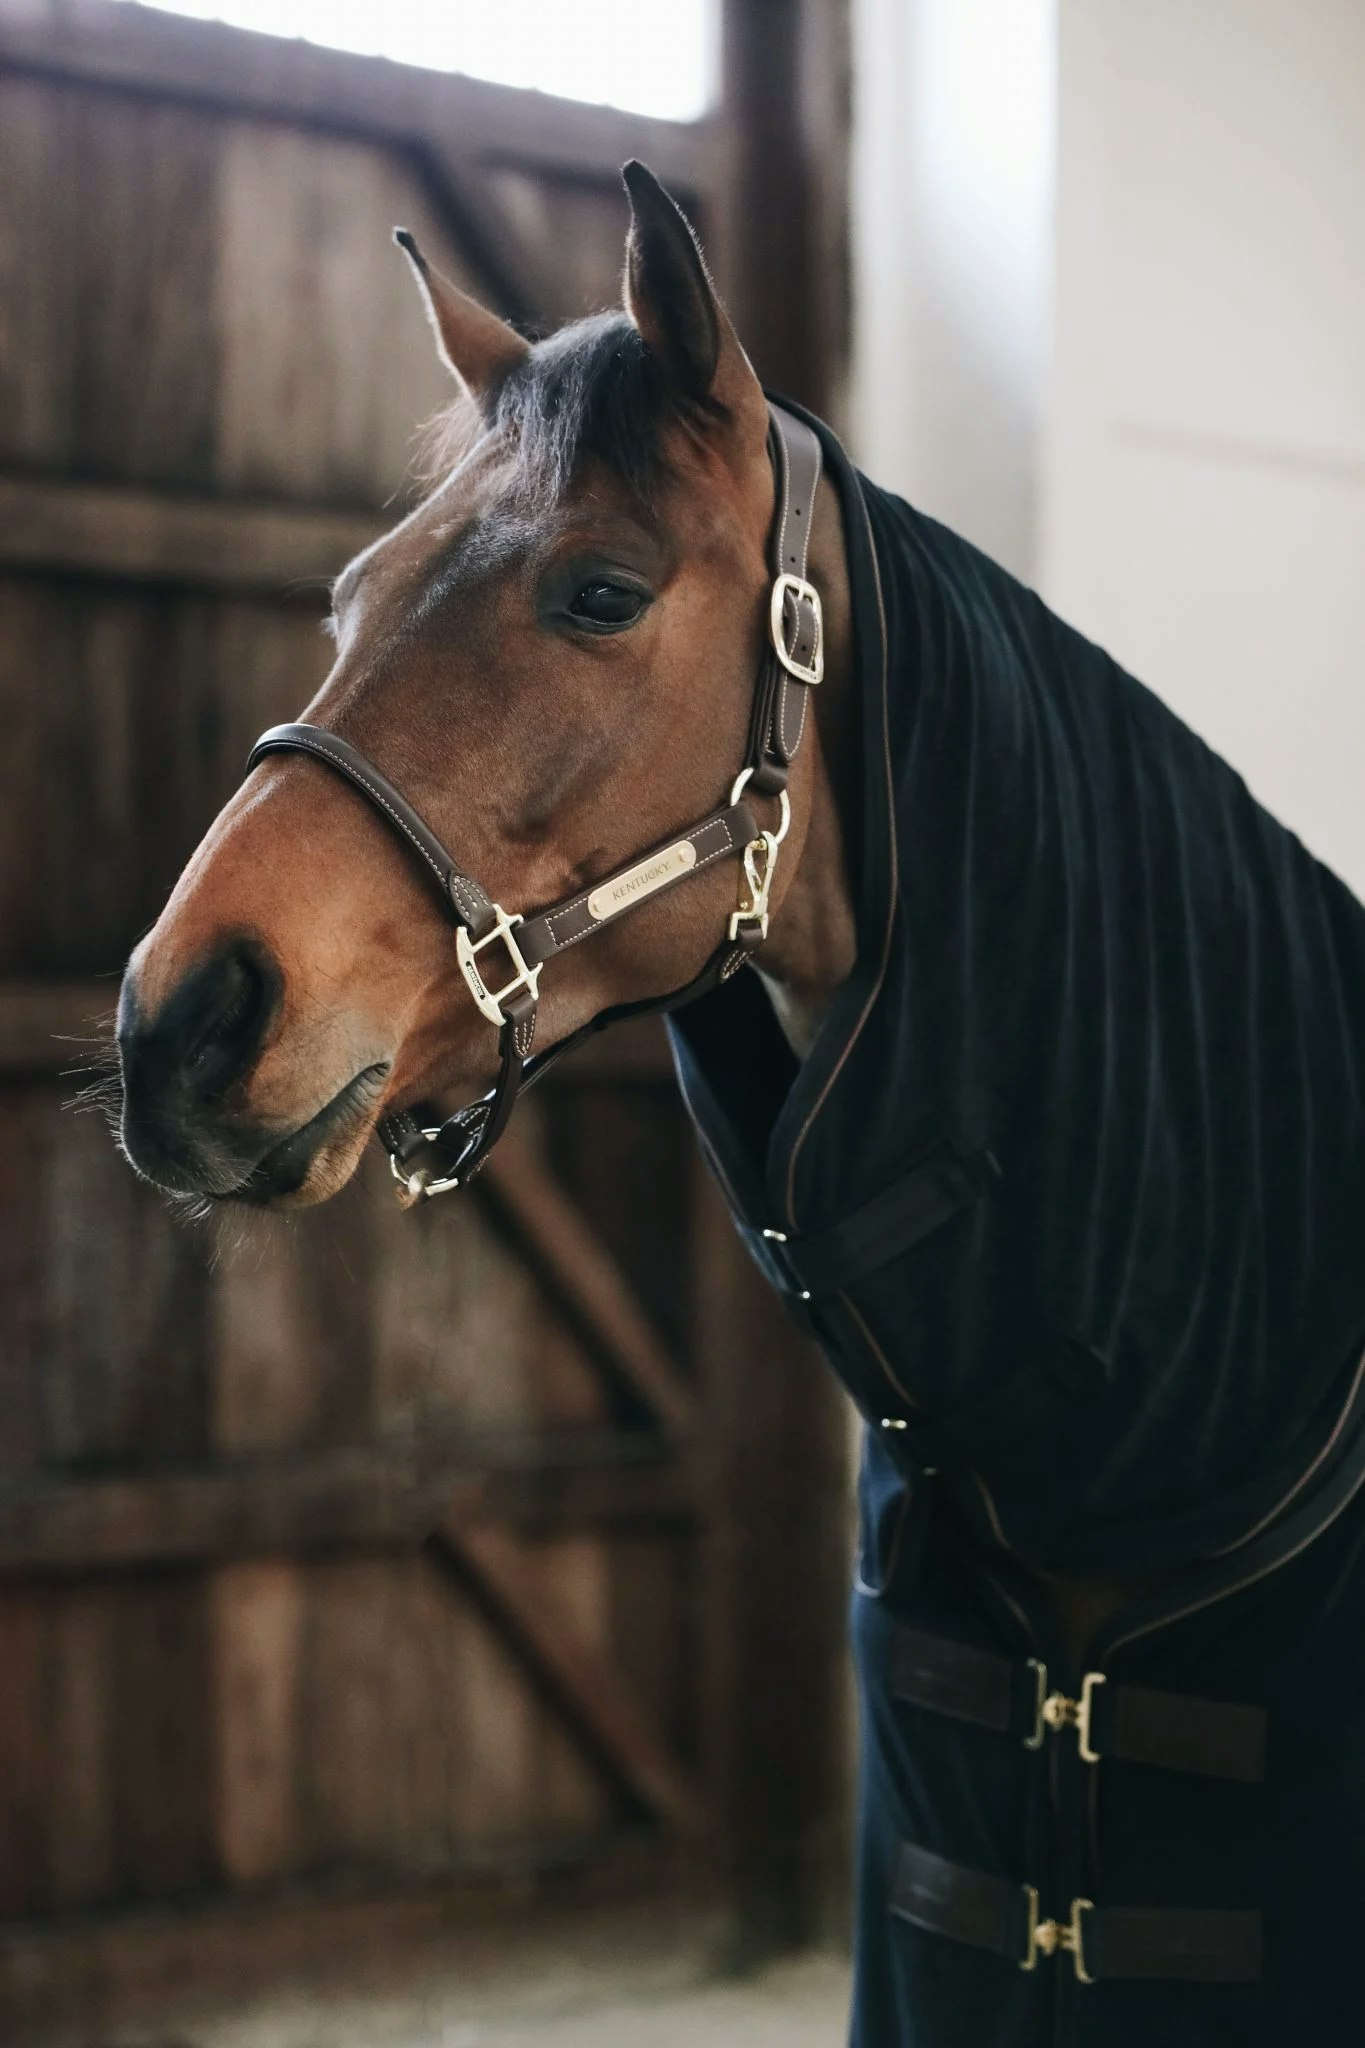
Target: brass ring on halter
<point x="419" y="1186"/>
<point x="741" y="784"/>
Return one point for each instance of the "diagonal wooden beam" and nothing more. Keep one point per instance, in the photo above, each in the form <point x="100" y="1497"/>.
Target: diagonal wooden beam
<point x="519" y="286"/>
<point x="449" y="128"/>
<point x="584" y="1684"/>
<point x="586" y="1278"/>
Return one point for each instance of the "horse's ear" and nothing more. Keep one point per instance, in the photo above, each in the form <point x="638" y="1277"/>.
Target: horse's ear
<point x="473" y="343"/>
<point x="670" y="297"/>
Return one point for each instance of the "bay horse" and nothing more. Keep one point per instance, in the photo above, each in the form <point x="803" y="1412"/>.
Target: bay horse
<point x="1042" y="1103"/>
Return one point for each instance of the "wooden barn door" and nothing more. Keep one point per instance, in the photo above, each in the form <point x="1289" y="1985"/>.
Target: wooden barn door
<point x="373" y="1550"/>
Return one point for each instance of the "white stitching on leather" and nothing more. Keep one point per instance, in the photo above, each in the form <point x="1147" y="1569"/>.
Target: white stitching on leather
<point x="799" y="690"/>
<point x="456" y="883"/>
<point x="315" y="744"/>
<point x="703" y="860"/>
<point x="810" y="509"/>
<point x="783" y="497"/>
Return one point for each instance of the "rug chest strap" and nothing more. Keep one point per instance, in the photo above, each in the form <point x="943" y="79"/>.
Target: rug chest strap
<point x="1192" y="1944"/>
<point x="1130" y="1723"/>
<point x="813" y="1265"/>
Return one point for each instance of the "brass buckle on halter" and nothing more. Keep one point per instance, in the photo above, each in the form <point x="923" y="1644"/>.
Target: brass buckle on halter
<point x="419" y="1186"/>
<point x="804" y="593"/>
<point x="467" y="950"/>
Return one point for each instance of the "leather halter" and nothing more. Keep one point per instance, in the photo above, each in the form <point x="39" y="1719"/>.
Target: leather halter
<point x="793" y="662"/>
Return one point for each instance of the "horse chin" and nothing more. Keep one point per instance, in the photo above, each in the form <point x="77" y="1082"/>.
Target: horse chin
<point x="318" y="1158"/>
<point x="327" y="1174"/>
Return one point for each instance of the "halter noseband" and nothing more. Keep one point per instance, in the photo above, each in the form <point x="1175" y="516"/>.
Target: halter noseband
<point x="793" y="662"/>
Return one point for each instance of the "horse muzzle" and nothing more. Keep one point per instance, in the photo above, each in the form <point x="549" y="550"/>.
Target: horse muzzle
<point x="186" y="1066"/>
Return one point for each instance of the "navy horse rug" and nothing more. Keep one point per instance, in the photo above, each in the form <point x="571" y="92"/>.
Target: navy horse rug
<point x="1067" y="1181"/>
<point x="1070" y="1190"/>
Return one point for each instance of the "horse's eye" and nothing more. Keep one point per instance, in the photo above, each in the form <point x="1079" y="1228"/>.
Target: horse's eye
<point x="607" y="604"/>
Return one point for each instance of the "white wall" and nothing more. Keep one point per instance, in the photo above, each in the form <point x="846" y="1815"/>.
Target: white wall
<point x="951" y="197"/>
<point x="1203" y="463"/>
<point x="1182" y="468"/>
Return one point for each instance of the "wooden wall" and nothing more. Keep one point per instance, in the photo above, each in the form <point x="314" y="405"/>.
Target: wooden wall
<point x="367" y="1547"/>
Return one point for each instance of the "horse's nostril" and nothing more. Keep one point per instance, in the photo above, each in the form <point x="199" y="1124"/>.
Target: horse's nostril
<point x="234" y="1003"/>
<point x="204" y="1036"/>
<point x="179" y="1063"/>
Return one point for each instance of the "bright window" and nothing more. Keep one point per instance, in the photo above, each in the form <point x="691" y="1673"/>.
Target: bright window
<point x="648" y="56"/>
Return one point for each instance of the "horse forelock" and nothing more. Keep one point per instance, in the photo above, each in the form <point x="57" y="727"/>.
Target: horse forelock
<point x="592" y="392"/>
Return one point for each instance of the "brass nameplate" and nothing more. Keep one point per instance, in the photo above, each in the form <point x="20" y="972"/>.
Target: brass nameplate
<point x="642" y="880"/>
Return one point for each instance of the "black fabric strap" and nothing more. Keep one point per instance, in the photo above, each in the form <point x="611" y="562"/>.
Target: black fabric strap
<point x="1213" y="1738"/>
<point x="821" y="1263"/>
<point x="1193" y="1945"/>
<point x="959" y="1680"/>
<point x="967" y="1905"/>
<point x="1134" y="1724"/>
<point x="1187" y="1944"/>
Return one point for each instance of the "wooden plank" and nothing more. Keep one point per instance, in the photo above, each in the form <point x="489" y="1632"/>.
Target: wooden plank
<point x="211" y="65"/>
<point x="78" y="1801"/>
<point x="656" y="1621"/>
<point x="22" y="1267"/>
<point x="52" y="1027"/>
<point x="452" y="135"/>
<point x="328" y="367"/>
<point x="494" y="1725"/>
<point x="147" y="675"/>
<point x="150" y="536"/>
<point x="160" y="1755"/>
<point x="587" y="1279"/>
<point x="25" y="1756"/>
<point x="55" y="1027"/>
<point x="583" y="1681"/>
<point x="343" y="1766"/>
<point x="37" y="365"/>
<point x="625" y="1168"/>
<point x="255" y="1619"/>
<point x="119" y="1324"/>
<point x="568" y="1578"/>
<point x="135" y="219"/>
<point x="370" y="1499"/>
<point x="110" y="363"/>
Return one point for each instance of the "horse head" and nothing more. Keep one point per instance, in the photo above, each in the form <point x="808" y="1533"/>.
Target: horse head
<point x="552" y="656"/>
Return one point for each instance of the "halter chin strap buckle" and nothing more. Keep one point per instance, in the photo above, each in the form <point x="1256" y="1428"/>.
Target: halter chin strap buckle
<point x="467" y="950"/>
<point x="806" y="603"/>
<point x="419" y="1185"/>
<point x="760" y="857"/>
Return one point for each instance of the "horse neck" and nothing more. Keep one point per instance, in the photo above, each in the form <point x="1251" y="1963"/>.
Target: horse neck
<point x="811" y="948"/>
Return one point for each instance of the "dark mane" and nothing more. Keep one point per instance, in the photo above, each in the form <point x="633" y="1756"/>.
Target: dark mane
<point x="591" y="392"/>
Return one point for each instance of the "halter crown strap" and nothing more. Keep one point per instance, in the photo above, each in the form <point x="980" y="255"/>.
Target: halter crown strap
<point x="488" y="940"/>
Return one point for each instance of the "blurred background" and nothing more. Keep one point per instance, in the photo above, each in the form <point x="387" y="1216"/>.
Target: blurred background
<point x="427" y="1630"/>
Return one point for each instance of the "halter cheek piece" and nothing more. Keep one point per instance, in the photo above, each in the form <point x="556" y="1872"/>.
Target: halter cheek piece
<point x="793" y="662"/>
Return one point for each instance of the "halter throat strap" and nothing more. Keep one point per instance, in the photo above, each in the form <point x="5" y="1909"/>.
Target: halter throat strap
<point x="501" y="956"/>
